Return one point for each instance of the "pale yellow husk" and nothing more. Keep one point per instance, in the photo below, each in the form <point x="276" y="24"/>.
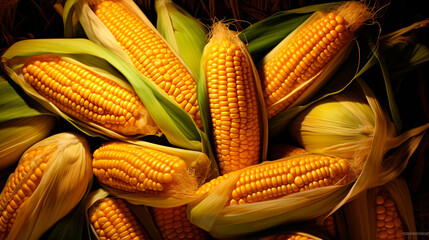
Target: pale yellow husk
<point x="19" y="134"/>
<point x="67" y="176"/>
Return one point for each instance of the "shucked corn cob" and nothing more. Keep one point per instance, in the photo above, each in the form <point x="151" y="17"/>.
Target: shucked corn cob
<point x="389" y="223"/>
<point x="234" y="106"/>
<point x="149" y="53"/>
<point x="293" y="67"/>
<point x="88" y="96"/>
<point x="138" y="169"/>
<point x="111" y="218"/>
<point x="272" y="180"/>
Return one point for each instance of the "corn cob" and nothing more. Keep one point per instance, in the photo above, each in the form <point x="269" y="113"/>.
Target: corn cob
<point x="22" y="184"/>
<point x="272" y="180"/>
<point x="139" y="169"/>
<point x="150" y="54"/>
<point x="111" y="218"/>
<point x="292" y="69"/>
<point x="88" y="96"/>
<point x="389" y="223"/>
<point x="233" y="101"/>
<point x="55" y="167"/>
<point x="174" y="224"/>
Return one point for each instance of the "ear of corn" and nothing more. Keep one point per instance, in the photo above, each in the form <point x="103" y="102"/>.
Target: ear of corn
<point x="238" y="124"/>
<point x="49" y="181"/>
<point x="306" y="58"/>
<point x="185" y="34"/>
<point x="173" y="122"/>
<point x="122" y="27"/>
<point x="265" y="34"/>
<point x="272" y="193"/>
<point x="138" y="216"/>
<point x="21" y="125"/>
<point x="367" y="148"/>
<point x="173" y="223"/>
<point x="150" y="174"/>
<point x="111" y="218"/>
<point x="384" y="212"/>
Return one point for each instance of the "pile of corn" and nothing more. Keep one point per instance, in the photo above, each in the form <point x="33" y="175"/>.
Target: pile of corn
<point x="131" y="129"/>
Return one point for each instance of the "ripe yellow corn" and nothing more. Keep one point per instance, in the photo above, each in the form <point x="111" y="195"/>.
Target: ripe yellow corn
<point x="150" y="54"/>
<point x="111" y="218"/>
<point x="21" y="185"/>
<point x="289" y="72"/>
<point x="173" y="223"/>
<point x="272" y="180"/>
<point x="86" y="95"/>
<point x="233" y="101"/>
<point x="389" y="223"/>
<point x="139" y="169"/>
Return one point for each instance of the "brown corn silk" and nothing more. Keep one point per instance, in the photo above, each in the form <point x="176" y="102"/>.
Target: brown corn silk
<point x="173" y="223"/>
<point x="233" y="100"/>
<point x="88" y="96"/>
<point x="276" y="179"/>
<point x="297" y="63"/>
<point x="149" y="53"/>
<point x="111" y="218"/>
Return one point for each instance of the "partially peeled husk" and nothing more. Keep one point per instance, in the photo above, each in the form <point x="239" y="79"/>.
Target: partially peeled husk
<point x="185" y="34"/>
<point x="356" y="14"/>
<point x="65" y="180"/>
<point x="210" y="212"/>
<point x="175" y="123"/>
<point x="199" y="167"/>
<point x="361" y="212"/>
<point x="141" y="212"/>
<point x="21" y="125"/>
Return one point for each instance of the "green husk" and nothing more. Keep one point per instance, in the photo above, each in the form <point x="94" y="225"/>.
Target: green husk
<point x="185" y="34"/>
<point x="175" y="123"/>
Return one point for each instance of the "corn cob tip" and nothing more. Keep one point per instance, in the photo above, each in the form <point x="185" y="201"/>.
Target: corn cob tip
<point x="355" y="14"/>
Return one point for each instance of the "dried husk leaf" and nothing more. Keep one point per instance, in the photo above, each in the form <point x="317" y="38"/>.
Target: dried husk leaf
<point x="361" y="212"/>
<point x="67" y="176"/>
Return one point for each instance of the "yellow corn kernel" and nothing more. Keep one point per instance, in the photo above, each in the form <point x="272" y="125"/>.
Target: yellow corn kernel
<point x="272" y="180"/>
<point x="150" y="55"/>
<point x="293" y="237"/>
<point x="388" y="223"/>
<point x="22" y="184"/>
<point x="139" y="169"/>
<point x="173" y="223"/>
<point x="306" y="55"/>
<point x="86" y="95"/>
<point x="111" y="218"/>
<point x="233" y="104"/>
